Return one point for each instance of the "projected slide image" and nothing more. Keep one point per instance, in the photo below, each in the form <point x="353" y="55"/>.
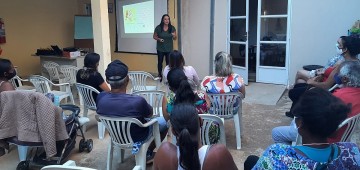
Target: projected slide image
<point x="139" y="17"/>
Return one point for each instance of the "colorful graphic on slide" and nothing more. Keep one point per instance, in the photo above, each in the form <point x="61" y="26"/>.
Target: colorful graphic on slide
<point x="139" y="17"/>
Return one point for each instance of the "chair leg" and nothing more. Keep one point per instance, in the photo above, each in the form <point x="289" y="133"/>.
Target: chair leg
<point x="140" y="157"/>
<point x="22" y="151"/>
<point x="237" y="131"/>
<point x="110" y="156"/>
<point x="122" y="155"/>
<point x="85" y="115"/>
<point x="101" y="130"/>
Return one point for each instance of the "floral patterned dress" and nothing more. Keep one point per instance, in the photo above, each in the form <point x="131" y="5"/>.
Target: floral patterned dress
<point x="281" y="156"/>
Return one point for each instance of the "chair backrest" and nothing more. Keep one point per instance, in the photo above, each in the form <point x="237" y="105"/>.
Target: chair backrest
<point x="85" y="92"/>
<point x="52" y="69"/>
<point x="41" y="84"/>
<point x="119" y="129"/>
<point x="351" y="125"/>
<point x="16" y="81"/>
<point x="154" y="98"/>
<point x="212" y="130"/>
<point x="224" y="105"/>
<point x="138" y="79"/>
<point x="69" y="73"/>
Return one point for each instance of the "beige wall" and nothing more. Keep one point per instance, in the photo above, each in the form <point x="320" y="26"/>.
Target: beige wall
<point x="196" y="34"/>
<point x="30" y="25"/>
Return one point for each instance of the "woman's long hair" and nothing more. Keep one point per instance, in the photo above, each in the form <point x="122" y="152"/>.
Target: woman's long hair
<point x="162" y="23"/>
<point x="179" y="84"/>
<point x="185" y="124"/>
<point x="90" y="65"/>
<point x="176" y="60"/>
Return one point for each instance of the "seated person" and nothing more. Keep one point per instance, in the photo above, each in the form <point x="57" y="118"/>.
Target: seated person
<point x="182" y="92"/>
<point x="224" y="80"/>
<point x="117" y="103"/>
<point x="317" y="116"/>
<point x="89" y="74"/>
<point x="177" y="61"/>
<point x="7" y="72"/>
<point x="303" y="75"/>
<point x="350" y="48"/>
<point x="349" y="92"/>
<point x="189" y="153"/>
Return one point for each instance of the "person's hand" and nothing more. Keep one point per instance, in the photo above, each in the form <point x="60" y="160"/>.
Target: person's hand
<point x="320" y="71"/>
<point x="173" y="34"/>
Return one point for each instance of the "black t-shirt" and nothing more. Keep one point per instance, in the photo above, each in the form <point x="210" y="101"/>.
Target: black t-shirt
<point x="94" y="80"/>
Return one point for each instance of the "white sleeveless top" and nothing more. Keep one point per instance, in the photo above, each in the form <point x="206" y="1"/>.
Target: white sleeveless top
<point x="201" y="152"/>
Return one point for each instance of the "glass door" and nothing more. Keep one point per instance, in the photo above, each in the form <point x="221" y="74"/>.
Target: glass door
<point x="273" y="41"/>
<point x="238" y="36"/>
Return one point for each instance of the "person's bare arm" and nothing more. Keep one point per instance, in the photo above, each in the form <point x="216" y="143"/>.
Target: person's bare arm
<point x="174" y="35"/>
<point x="104" y="86"/>
<point x="165" y="157"/>
<point x="208" y="102"/>
<point x="164" y="111"/>
<point x="156" y="37"/>
<point x="326" y="84"/>
<point x="242" y="90"/>
<point x="218" y="157"/>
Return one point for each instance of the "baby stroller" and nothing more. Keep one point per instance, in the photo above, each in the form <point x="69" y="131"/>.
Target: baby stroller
<point x="71" y="118"/>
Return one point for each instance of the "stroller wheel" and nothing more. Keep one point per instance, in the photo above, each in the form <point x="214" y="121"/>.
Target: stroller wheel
<point x="82" y="145"/>
<point x="89" y="145"/>
<point x="23" y="165"/>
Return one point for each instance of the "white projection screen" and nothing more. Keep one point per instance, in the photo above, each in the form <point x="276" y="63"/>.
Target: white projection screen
<point x="136" y="21"/>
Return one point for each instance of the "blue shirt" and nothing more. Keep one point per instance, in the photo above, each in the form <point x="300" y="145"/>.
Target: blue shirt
<point x="125" y="105"/>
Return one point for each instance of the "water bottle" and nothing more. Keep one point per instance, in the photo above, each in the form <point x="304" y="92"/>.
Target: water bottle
<point x="56" y="100"/>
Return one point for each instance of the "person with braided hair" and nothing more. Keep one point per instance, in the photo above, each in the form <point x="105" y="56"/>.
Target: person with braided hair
<point x="182" y="92"/>
<point x="189" y="153"/>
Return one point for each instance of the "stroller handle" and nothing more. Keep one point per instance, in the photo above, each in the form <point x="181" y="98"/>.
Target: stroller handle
<point x="75" y="109"/>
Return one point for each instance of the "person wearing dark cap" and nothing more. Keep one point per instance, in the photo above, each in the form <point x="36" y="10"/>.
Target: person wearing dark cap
<point x="117" y="103"/>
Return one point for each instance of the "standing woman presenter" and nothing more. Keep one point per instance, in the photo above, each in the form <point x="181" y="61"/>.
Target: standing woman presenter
<point x="164" y="35"/>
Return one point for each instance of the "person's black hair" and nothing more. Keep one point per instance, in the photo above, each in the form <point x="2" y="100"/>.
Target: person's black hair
<point x="5" y="67"/>
<point x="162" y="23"/>
<point x="352" y="44"/>
<point x="176" y="60"/>
<point x="90" y="65"/>
<point x="321" y="112"/>
<point x="179" y="84"/>
<point x="185" y="124"/>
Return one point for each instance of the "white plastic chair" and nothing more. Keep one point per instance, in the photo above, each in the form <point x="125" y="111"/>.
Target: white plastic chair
<point x="119" y="130"/>
<point x="88" y="101"/>
<point x="139" y="81"/>
<point x="69" y="165"/>
<point x="351" y="124"/>
<point x="53" y="69"/>
<point x="69" y="72"/>
<point x="208" y="121"/>
<point x="17" y="82"/>
<point x="154" y="98"/>
<point x="222" y="105"/>
<point x="42" y="85"/>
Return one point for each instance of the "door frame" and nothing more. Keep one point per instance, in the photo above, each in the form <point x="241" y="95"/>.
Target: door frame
<point x="279" y="71"/>
<point x="242" y="71"/>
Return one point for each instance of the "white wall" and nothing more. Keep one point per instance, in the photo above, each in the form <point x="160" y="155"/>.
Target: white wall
<point x="220" y="27"/>
<point x="315" y="28"/>
<point x="195" y="34"/>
